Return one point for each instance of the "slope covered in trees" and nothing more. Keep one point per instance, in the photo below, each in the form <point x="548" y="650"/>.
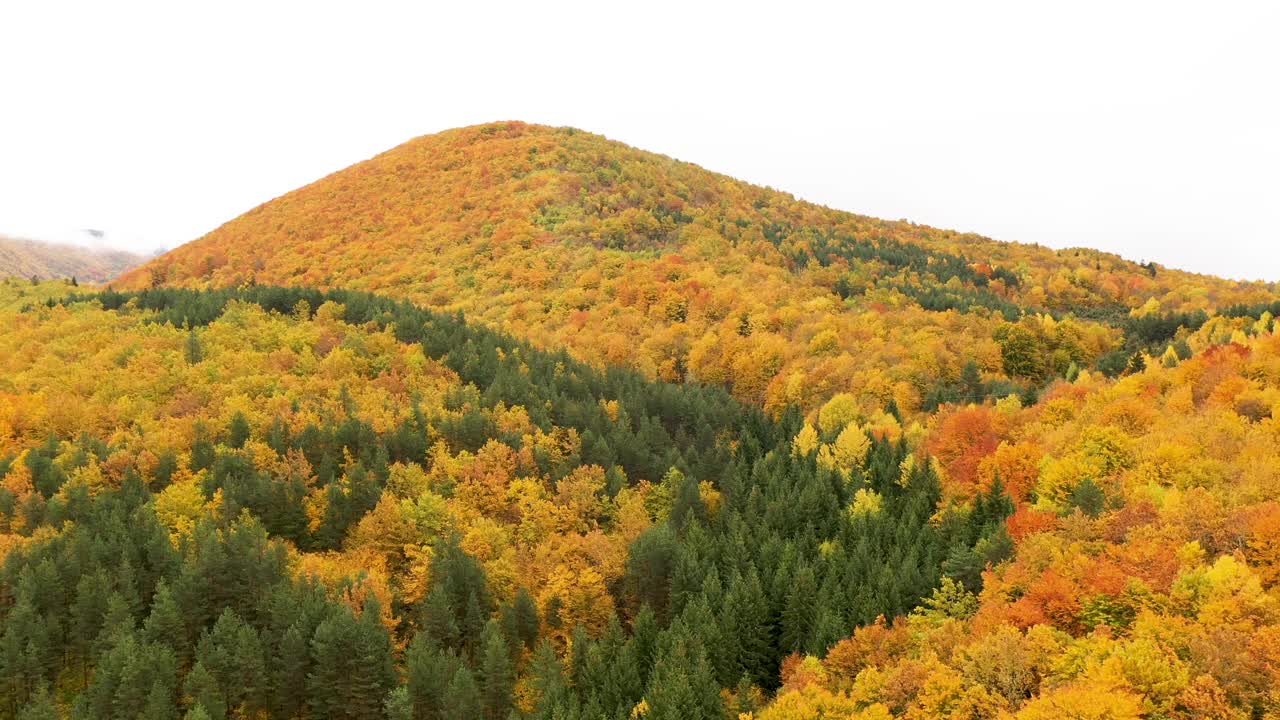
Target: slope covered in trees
<point x="286" y="502"/>
<point x="1145" y="580"/>
<point x="46" y="261"/>
<point x="617" y="437"/>
<point x="627" y="257"/>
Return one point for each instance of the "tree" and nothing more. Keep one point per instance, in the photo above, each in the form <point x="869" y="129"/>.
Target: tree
<point x="437" y="617"/>
<point x="496" y="673"/>
<point x="428" y="670"/>
<point x="39" y="707"/>
<point x="160" y="704"/>
<point x="291" y="673"/>
<point x="1088" y="497"/>
<point x="546" y="677"/>
<point x="193" y="351"/>
<point x="799" y="614"/>
<point x="462" y="698"/>
<point x="351" y="672"/>
<point x="201" y="690"/>
<point x="398" y="706"/>
<point x="164" y="624"/>
<point x="683" y="686"/>
<point x="520" y="620"/>
<point x="1083" y="702"/>
<point x="238" y="432"/>
<point x="1021" y="352"/>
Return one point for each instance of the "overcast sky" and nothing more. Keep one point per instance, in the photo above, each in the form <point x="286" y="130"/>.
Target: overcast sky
<point x="1148" y="129"/>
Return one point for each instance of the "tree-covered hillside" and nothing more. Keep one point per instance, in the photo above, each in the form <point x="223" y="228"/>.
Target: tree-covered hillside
<point x="622" y="256"/>
<point x="287" y="503"/>
<point x="519" y="422"/>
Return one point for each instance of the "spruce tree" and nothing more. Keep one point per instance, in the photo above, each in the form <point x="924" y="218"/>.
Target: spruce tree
<point x="683" y="685"/>
<point x="798" y="616"/>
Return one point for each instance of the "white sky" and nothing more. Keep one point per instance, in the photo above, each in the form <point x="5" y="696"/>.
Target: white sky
<point x="1151" y="129"/>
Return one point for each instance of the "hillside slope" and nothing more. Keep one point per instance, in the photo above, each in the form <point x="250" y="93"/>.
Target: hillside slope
<point x="48" y="261"/>
<point x="624" y="256"/>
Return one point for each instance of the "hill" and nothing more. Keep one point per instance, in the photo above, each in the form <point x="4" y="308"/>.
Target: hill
<point x="48" y="261"/>
<point x="623" y="256"/>
<point x="692" y="449"/>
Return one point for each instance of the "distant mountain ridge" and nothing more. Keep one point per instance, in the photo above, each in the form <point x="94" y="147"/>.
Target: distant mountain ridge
<point x="49" y="261"/>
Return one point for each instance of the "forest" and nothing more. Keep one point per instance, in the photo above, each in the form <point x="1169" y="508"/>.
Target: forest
<point x="519" y="422"/>
<point x="668" y="538"/>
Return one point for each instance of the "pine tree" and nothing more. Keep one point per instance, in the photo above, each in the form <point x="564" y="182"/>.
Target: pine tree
<point x="165" y="625"/>
<point x="438" y="619"/>
<point x="623" y="686"/>
<point x="160" y="704"/>
<point x="462" y="697"/>
<point x="202" y="690"/>
<point x="87" y="615"/>
<point x="397" y="705"/>
<point x="39" y="707"/>
<point x="747" y="630"/>
<point x="251" y="669"/>
<point x="292" y="663"/>
<point x="644" y="642"/>
<point x="546" y="674"/>
<point x="428" y="670"/>
<point x="497" y="676"/>
<point x="472" y="625"/>
<point x="193" y="351"/>
<point x="352" y="671"/>
<point x="524" y="622"/>
<point x="579" y="645"/>
<point x="238" y="433"/>
<point x="133" y="686"/>
<point x="374" y="671"/>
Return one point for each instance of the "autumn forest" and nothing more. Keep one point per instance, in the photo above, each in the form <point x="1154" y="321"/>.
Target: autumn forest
<point x="518" y="422"/>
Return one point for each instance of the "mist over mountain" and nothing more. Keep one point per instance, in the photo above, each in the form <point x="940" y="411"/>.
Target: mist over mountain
<point x="90" y="262"/>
